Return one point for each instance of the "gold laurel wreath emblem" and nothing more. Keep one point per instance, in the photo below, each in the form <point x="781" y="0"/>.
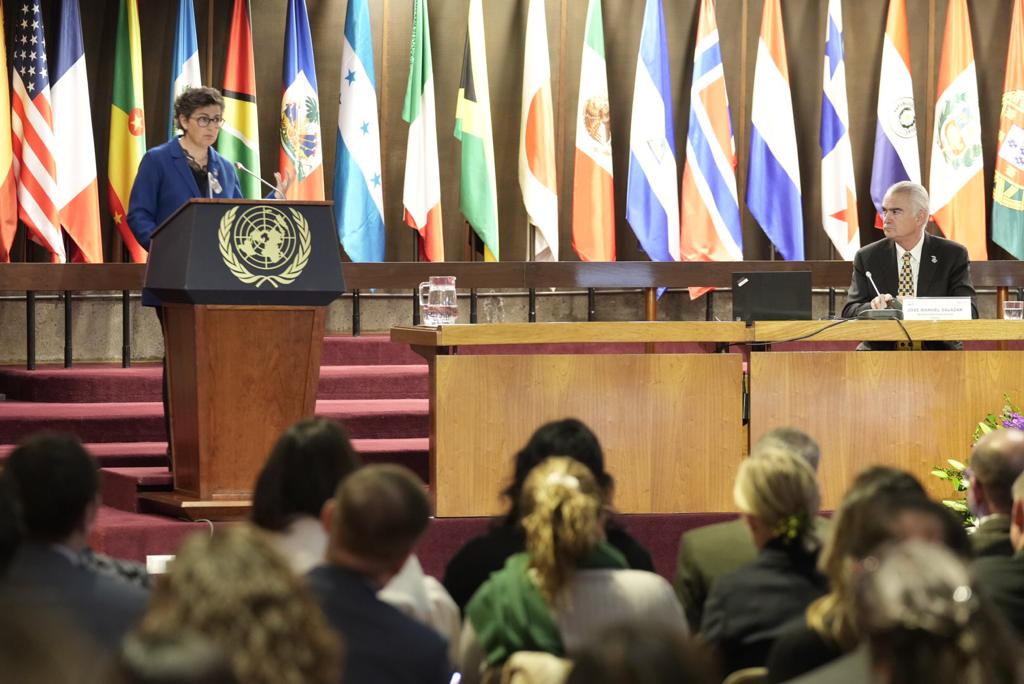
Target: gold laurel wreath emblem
<point x="238" y="270"/>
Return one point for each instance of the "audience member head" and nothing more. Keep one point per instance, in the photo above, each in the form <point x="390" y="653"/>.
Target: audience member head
<point x="10" y="527"/>
<point x="797" y="442"/>
<point x="376" y="518"/>
<point x="236" y="591"/>
<point x="996" y="462"/>
<point x="566" y="437"/>
<point x="1017" y="514"/>
<point x="915" y="517"/>
<point x="55" y="487"/>
<point x="562" y="515"/>
<point x="777" y="493"/>
<point x="641" y="654"/>
<point x="44" y="646"/>
<point x="183" y="657"/>
<point x="925" y="622"/>
<point x="302" y="473"/>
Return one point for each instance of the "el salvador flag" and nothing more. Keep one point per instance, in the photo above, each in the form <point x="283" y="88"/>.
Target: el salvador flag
<point x="358" y="199"/>
<point x="652" y="205"/>
<point x="185" y="62"/>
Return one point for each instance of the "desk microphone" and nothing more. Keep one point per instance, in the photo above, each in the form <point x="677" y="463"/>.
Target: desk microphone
<point x="241" y="167"/>
<point x="889" y="313"/>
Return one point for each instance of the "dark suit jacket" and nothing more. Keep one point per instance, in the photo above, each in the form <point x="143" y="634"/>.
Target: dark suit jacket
<point x="381" y="644"/>
<point x="945" y="272"/>
<point x="992" y="538"/>
<point x="1001" y="579"/>
<point x="104" y="608"/>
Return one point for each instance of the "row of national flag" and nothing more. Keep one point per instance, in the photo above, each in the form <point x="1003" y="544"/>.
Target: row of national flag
<point x="48" y="174"/>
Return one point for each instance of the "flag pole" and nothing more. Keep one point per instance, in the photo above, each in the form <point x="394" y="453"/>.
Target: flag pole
<point x="471" y="242"/>
<point x="531" y="232"/>
<point x="209" y="42"/>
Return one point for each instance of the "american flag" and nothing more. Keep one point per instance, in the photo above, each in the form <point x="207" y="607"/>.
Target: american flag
<point x="32" y="128"/>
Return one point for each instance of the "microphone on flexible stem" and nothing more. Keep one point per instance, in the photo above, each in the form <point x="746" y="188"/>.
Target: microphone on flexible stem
<point x="880" y="314"/>
<point x="241" y="167"/>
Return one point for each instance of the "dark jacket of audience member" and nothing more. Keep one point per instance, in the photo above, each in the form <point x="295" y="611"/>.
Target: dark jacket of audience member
<point x="55" y="486"/>
<point x="641" y="654"/>
<point x="1001" y="578"/>
<point x="478" y="558"/>
<point x="376" y="518"/>
<point x="997" y="460"/>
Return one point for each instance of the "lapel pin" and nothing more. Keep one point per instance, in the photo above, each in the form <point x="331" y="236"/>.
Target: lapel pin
<point x="935" y="259"/>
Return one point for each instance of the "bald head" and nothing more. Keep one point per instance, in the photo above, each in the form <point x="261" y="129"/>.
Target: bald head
<point x="996" y="462"/>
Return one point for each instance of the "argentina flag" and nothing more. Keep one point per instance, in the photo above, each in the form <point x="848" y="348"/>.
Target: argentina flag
<point x="358" y="197"/>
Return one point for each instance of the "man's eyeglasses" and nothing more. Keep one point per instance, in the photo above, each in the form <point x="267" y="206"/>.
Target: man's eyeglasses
<point x="205" y="121"/>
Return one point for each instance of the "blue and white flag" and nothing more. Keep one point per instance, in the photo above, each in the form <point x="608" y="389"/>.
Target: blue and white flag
<point x="185" y="61"/>
<point x="358" y="199"/>
<point x="773" y="178"/>
<point x="838" y="189"/>
<point x="652" y="200"/>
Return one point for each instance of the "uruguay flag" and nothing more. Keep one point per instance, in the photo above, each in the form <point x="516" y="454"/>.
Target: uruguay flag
<point x="652" y="205"/>
<point x="773" y="178"/>
<point x="896" y="154"/>
<point x="358" y="200"/>
<point x="185" y="62"/>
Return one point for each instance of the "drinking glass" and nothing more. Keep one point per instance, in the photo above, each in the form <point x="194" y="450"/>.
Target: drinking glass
<point x="438" y="302"/>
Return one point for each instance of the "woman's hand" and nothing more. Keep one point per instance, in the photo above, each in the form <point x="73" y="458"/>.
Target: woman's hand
<point x="284" y="182"/>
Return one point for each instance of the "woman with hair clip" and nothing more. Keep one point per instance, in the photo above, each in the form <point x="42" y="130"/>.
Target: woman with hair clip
<point x="568" y="586"/>
<point x="925" y="622"/>
<point x="777" y="496"/>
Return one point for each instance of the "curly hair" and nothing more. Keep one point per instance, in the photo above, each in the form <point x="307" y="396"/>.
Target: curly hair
<point x="234" y="589"/>
<point x="196" y="98"/>
<point x="561" y="503"/>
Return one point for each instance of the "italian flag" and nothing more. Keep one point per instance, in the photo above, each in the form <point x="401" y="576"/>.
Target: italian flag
<point x="8" y="183"/>
<point x="239" y="139"/>
<point x="478" y="192"/>
<point x="127" y="122"/>
<point x="422" y="192"/>
<point x="593" y="194"/>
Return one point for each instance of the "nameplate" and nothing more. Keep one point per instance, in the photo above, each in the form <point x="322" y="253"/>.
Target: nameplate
<point x="937" y="309"/>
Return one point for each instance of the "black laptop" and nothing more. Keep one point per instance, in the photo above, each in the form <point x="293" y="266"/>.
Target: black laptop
<point x="771" y="296"/>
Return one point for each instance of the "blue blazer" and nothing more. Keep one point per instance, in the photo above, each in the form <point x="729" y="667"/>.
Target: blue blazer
<point x="165" y="182"/>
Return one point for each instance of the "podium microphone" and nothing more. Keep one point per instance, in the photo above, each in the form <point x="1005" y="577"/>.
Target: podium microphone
<point x="889" y="313"/>
<point x="241" y="167"/>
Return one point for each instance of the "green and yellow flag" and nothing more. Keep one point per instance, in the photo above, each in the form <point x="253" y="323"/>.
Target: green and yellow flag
<point x="478" y="193"/>
<point x="127" y="122"/>
<point x="239" y="139"/>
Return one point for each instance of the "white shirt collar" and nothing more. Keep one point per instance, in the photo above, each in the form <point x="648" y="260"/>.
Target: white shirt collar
<point x="915" y="251"/>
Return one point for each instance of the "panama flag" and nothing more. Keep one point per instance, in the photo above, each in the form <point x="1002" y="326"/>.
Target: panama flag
<point x="8" y="176"/>
<point x="184" y="60"/>
<point x="956" y="184"/>
<point x="838" y="188"/>
<point x="593" y="190"/>
<point x="478" y="191"/>
<point x="710" y="229"/>
<point x="896" y="154"/>
<point x="239" y="139"/>
<point x="773" y="178"/>
<point x="652" y="205"/>
<point x="537" y="137"/>
<point x="78" y="200"/>
<point x="301" y="146"/>
<point x="127" y="122"/>
<point x="421" y="194"/>
<point x="1008" y="192"/>
<point x="358" y="199"/>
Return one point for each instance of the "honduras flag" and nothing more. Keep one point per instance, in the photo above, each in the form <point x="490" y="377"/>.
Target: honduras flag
<point x="773" y="178"/>
<point x="185" y="64"/>
<point x="358" y="200"/>
<point x="652" y="205"/>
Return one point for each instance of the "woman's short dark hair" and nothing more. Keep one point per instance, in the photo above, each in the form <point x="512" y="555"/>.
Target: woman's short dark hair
<point x="196" y="98"/>
<point x="302" y="472"/>
<point x="566" y="437"/>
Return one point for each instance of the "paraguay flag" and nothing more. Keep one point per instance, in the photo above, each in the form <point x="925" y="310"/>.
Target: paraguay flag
<point x="185" y="60"/>
<point x="652" y="205"/>
<point x="710" y="229"/>
<point x="301" y="145"/>
<point x="896" y="155"/>
<point x="773" y="180"/>
<point x="838" y="189"/>
<point x="358" y="200"/>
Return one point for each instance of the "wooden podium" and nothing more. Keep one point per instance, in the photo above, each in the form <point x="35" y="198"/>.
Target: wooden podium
<point x="244" y="287"/>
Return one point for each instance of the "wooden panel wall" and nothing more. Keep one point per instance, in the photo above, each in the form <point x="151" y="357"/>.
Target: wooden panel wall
<point x="739" y="22"/>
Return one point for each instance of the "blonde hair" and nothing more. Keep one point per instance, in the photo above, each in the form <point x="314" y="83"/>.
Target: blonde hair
<point x="234" y="589"/>
<point x="780" y="489"/>
<point x="562" y="504"/>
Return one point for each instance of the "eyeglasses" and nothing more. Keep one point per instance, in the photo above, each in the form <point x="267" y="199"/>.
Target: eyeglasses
<point x="205" y="121"/>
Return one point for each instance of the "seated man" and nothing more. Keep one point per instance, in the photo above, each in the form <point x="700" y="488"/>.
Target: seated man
<point x="909" y="262"/>
<point x="1001" y="578"/>
<point x="996" y="462"/>
<point x="55" y="486"/>
<point x="375" y="518"/>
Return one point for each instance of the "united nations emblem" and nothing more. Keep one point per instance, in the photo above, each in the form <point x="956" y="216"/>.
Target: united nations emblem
<point x="264" y="244"/>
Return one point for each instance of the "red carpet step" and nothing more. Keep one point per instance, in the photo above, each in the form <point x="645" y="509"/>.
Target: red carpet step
<point x="117" y="454"/>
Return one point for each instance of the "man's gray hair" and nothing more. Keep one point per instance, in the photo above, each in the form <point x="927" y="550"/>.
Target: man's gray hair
<point x="789" y="439"/>
<point x="915" y="191"/>
<point x="997" y="462"/>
